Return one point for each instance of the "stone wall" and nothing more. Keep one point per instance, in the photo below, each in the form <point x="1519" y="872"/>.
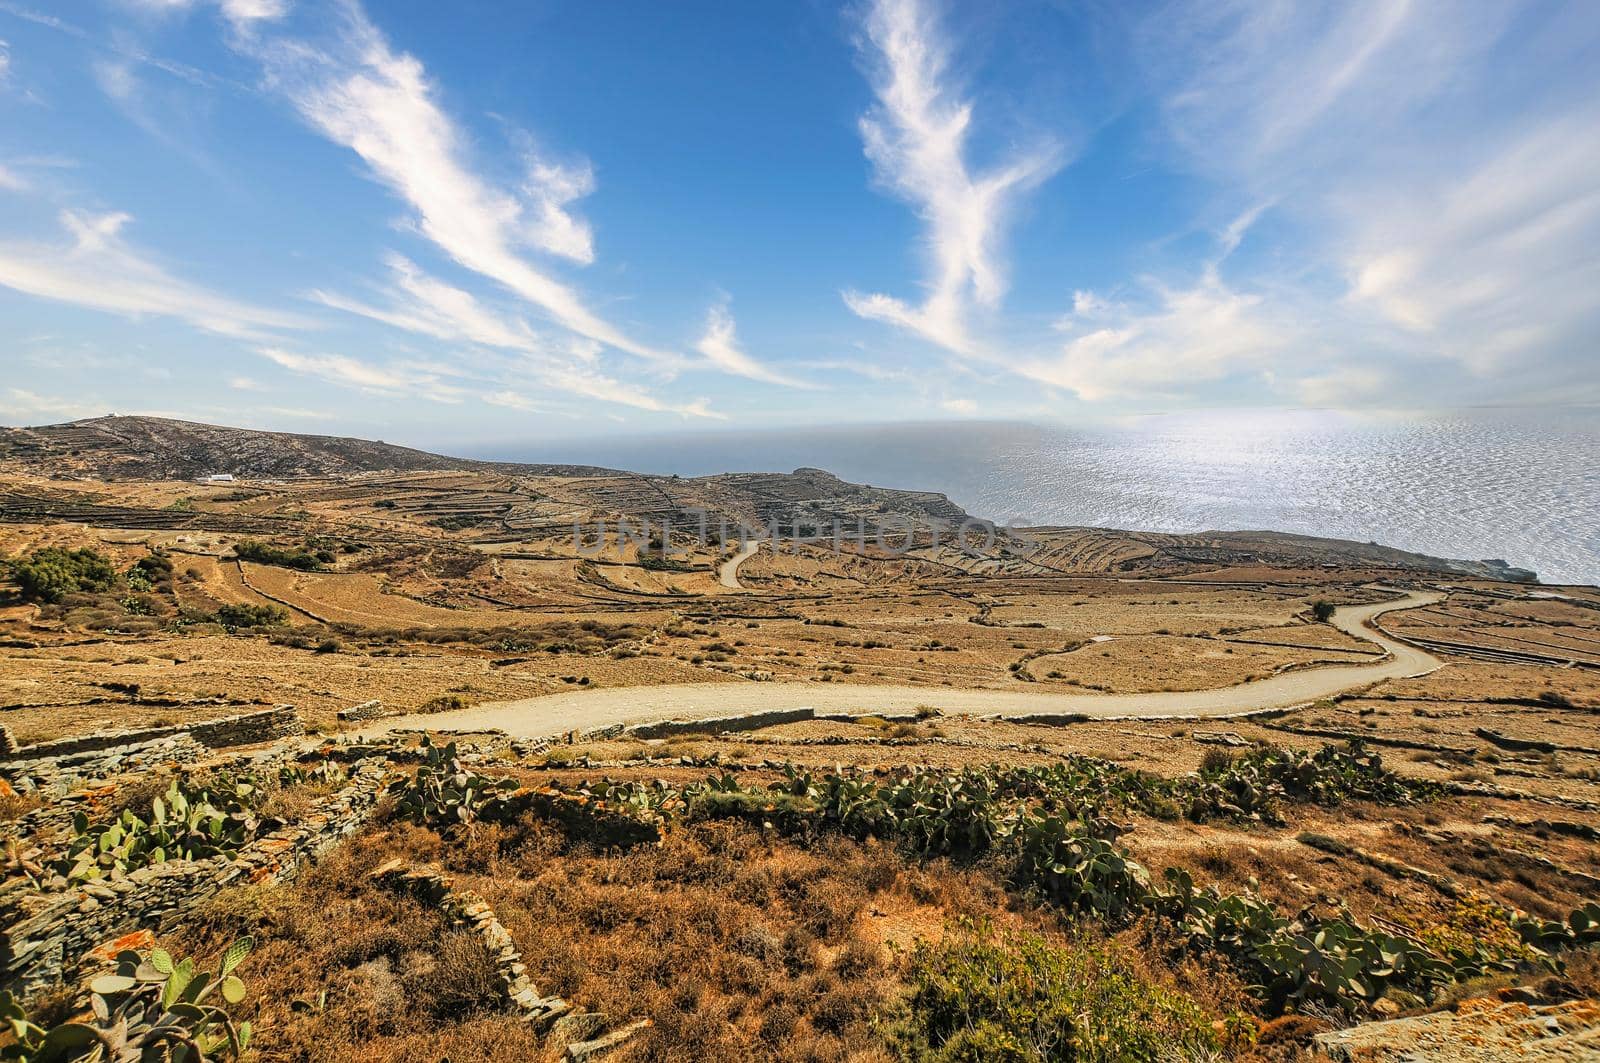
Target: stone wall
<point x="366" y="710"/>
<point x="464" y="908"/>
<point x="93" y="788"/>
<point x="269" y="726"/>
<point x="56" y="776"/>
<point x="265" y="726"/>
<point x="579" y="1035"/>
<point x="749" y="721"/>
<point x="48" y="935"/>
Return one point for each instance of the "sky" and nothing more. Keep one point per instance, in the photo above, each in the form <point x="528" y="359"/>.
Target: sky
<point x="441" y="223"/>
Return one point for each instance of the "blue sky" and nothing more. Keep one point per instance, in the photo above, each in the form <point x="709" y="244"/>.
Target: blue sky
<point x="451" y="222"/>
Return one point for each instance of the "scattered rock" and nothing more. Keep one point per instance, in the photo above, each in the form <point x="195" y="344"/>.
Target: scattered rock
<point x="1480" y="1031"/>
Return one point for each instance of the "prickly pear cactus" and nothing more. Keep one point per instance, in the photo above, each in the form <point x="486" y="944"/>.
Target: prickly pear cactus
<point x="151" y="1010"/>
<point x="443" y="793"/>
<point x="184" y="824"/>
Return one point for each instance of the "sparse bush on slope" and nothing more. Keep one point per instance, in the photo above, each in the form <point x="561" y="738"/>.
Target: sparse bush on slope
<point x="983" y="997"/>
<point x="266" y="554"/>
<point x="51" y="573"/>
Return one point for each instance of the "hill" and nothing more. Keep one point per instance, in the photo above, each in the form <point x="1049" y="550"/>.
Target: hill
<point x="158" y="448"/>
<point x="508" y="501"/>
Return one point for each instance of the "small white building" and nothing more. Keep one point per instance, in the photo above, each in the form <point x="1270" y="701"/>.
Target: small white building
<point x="218" y="478"/>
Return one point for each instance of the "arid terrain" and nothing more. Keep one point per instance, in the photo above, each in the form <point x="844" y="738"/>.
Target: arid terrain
<point x="1163" y="699"/>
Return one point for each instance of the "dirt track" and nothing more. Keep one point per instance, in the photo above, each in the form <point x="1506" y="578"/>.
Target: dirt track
<point x="588" y="709"/>
<point x="728" y="573"/>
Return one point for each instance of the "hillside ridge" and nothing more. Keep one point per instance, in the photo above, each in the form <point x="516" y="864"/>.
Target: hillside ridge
<point x="499" y="498"/>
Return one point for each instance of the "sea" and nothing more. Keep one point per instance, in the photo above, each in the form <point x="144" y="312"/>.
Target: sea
<point x="1515" y="484"/>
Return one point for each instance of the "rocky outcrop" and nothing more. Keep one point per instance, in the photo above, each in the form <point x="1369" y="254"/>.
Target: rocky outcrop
<point x="1479" y="1031"/>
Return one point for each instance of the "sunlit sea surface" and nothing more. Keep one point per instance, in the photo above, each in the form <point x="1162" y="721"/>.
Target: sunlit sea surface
<point x="1519" y="485"/>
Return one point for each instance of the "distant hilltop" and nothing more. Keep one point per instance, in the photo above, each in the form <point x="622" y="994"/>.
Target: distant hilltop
<point x="159" y="448"/>
<point x="112" y="449"/>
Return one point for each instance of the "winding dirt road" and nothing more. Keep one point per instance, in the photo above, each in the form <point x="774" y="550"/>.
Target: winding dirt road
<point x="582" y="710"/>
<point x="728" y="573"/>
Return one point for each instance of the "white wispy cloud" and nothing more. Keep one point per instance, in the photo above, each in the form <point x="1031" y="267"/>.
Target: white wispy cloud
<point x="549" y="189"/>
<point x="1494" y="263"/>
<point x="12" y="181"/>
<point x="593" y="384"/>
<point x="360" y="93"/>
<point x="116" y="80"/>
<point x="1204" y="332"/>
<point x="97" y="268"/>
<point x="1343" y="386"/>
<point x="917" y="140"/>
<point x="240" y="12"/>
<point x="299" y="413"/>
<point x="423" y="304"/>
<point x="862" y="367"/>
<point x="396" y="379"/>
<point x="513" y="400"/>
<point x="720" y="345"/>
<point x="1418" y="157"/>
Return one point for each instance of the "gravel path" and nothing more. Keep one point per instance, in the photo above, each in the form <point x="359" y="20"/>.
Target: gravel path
<point x="728" y="573"/>
<point x="582" y="710"/>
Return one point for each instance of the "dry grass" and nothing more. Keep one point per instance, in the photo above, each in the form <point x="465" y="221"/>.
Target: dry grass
<point x="736" y="945"/>
<point x="399" y="984"/>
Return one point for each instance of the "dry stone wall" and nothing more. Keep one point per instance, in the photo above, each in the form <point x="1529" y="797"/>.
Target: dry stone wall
<point x="465" y="908"/>
<point x="581" y="1035"/>
<point x="47" y="935"/>
<point x="96" y="786"/>
<point x="268" y="725"/>
<point x="747" y="721"/>
<point x="59" y="775"/>
<point x="366" y="710"/>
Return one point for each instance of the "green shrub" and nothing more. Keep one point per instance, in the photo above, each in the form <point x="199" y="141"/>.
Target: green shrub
<point x="234" y="617"/>
<point x="443" y="793"/>
<point x="979" y="997"/>
<point x="657" y="563"/>
<point x="462" y="521"/>
<point x="266" y="554"/>
<point x="155" y="567"/>
<point x="763" y="808"/>
<point x="1252" y="784"/>
<point x="51" y="573"/>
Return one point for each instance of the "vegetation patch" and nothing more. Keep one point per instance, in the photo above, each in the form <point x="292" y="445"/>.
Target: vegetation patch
<point x="260" y="553"/>
<point x="150" y="1008"/>
<point x="51" y="573"/>
<point x="980" y="996"/>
